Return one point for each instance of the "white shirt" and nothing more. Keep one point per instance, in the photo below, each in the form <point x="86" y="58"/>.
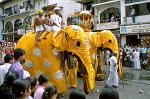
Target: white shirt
<point x="26" y="74"/>
<point x="3" y="70"/>
<point x="56" y="19"/>
<point x="132" y="12"/>
<point x="113" y="61"/>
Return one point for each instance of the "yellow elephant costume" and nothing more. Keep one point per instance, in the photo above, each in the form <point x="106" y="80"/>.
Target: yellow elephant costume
<point x="45" y="59"/>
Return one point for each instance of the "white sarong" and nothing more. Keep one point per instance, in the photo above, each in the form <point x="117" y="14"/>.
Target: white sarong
<point x="39" y="28"/>
<point x="47" y="27"/>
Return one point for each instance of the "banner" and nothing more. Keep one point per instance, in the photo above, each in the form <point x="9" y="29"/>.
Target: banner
<point x="144" y="28"/>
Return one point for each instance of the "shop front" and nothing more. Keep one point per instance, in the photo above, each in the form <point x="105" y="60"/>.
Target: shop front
<point x="135" y="34"/>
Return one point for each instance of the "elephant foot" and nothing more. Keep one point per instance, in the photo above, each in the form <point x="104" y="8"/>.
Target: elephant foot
<point x="100" y="77"/>
<point x="88" y="93"/>
<point x="60" y="95"/>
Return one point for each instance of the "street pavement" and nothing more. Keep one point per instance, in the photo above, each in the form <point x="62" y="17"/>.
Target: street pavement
<point x="135" y="85"/>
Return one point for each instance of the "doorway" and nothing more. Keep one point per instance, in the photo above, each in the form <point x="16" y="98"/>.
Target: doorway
<point x="133" y="40"/>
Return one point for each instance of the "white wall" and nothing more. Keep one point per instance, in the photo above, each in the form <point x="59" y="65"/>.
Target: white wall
<point x="69" y="7"/>
<point x="139" y="19"/>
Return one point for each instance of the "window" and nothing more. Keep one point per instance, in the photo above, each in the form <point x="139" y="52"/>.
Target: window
<point x="39" y="5"/>
<point x="140" y="9"/>
<point x="25" y="4"/>
<point x="16" y="9"/>
<point x="9" y="11"/>
<point x="44" y="2"/>
<point x="17" y="24"/>
<point x="148" y="8"/>
<point x="8" y="27"/>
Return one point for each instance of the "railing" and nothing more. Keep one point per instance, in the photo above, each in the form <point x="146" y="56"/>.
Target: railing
<point x="106" y="21"/>
<point x="133" y="1"/>
<point x="101" y="1"/>
<point x="17" y="12"/>
<point x="138" y="19"/>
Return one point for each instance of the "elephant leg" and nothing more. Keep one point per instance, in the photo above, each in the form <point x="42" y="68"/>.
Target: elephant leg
<point x="72" y="67"/>
<point x="72" y="78"/>
<point x="99" y="74"/>
<point x="87" y="79"/>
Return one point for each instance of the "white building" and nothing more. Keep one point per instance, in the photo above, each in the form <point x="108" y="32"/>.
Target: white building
<point x="130" y="33"/>
<point x="15" y="13"/>
<point x="68" y="6"/>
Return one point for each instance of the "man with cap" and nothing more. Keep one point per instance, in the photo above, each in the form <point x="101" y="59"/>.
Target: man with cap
<point x="38" y="26"/>
<point x="56" y="21"/>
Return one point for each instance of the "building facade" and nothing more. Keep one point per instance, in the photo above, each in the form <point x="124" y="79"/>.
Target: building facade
<point x="16" y="16"/>
<point x="132" y="29"/>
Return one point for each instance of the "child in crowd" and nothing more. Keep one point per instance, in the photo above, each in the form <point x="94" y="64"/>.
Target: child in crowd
<point x="50" y="92"/>
<point x="109" y="93"/>
<point x="40" y="89"/>
<point x="77" y="94"/>
<point x="5" y="88"/>
<point x="33" y="82"/>
<point x="21" y="89"/>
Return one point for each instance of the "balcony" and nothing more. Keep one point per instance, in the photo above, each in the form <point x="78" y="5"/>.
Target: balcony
<point x="107" y="25"/>
<point x="139" y="20"/>
<point x="102" y="1"/>
<point x="12" y="14"/>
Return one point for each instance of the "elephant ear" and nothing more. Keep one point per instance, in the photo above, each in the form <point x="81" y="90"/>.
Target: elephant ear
<point x="96" y="38"/>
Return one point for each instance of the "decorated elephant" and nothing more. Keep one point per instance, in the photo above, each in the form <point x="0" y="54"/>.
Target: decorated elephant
<point x="98" y="42"/>
<point x="49" y="59"/>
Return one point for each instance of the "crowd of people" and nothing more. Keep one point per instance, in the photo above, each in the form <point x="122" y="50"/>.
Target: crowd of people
<point x="135" y="56"/>
<point x="16" y="83"/>
<point x="6" y="47"/>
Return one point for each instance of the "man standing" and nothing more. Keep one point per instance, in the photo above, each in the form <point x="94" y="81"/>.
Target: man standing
<point x="8" y="59"/>
<point x="113" y="76"/>
<point x="136" y="57"/>
<point x="56" y="21"/>
<point x="133" y="14"/>
<point x="16" y="65"/>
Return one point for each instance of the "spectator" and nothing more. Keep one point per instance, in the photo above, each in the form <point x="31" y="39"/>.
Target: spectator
<point x="143" y="53"/>
<point x="109" y="93"/>
<point x="8" y="59"/>
<point x="33" y="82"/>
<point x="50" y="93"/>
<point x="40" y="89"/>
<point x="77" y="94"/>
<point x="113" y="76"/>
<point x="112" y="18"/>
<point x="133" y="14"/>
<point x="16" y="65"/>
<point x="136" y="57"/>
<point x="5" y="88"/>
<point x="21" y="89"/>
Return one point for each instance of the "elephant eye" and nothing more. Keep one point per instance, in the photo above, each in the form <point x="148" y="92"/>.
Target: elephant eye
<point x="78" y="43"/>
<point x="110" y="41"/>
